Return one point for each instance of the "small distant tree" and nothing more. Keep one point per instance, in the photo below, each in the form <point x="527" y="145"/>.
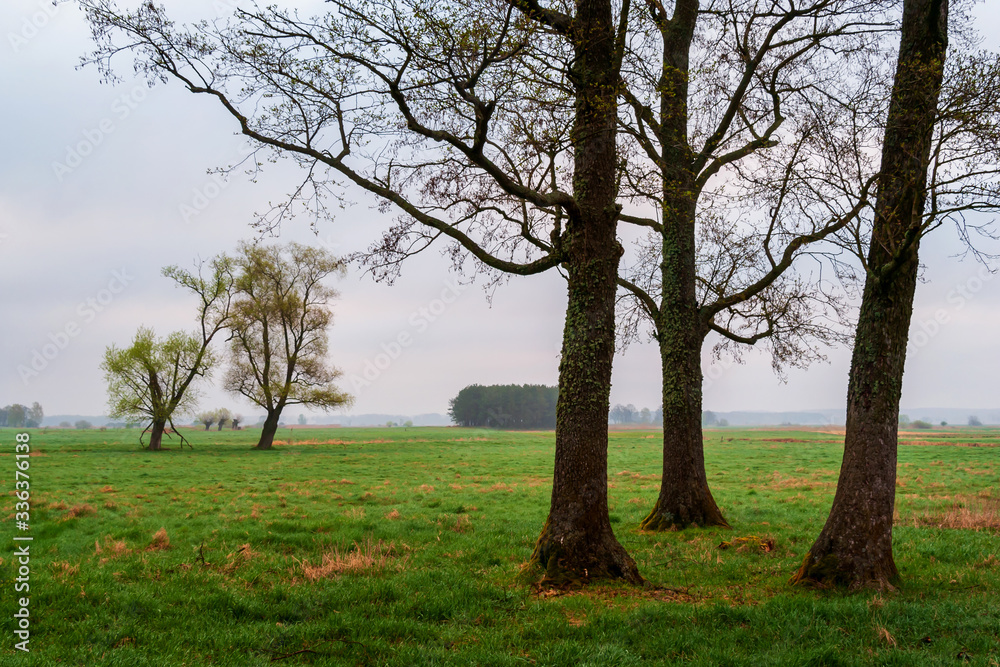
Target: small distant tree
<point x="278" y="345"/>
<point x="17" y="415"/>
<point x="83" y="424"/>
<point x="645" y="416"/>
<point x="235" y="421"/>
<point x="723" y="422"/>
<point x="35" y="415"/>
<point x="408" y="423"/>
<point x="631" y="413"/>
<point x="302" y="420"/>
<point x="904" y="421"/>
<point x="618" y="414"/>
<point x="389" y="423"/>
<point x="974" y="421"/>
<point x="222" y="417"/>
<point x="708" y="418"/>
<point x="944" y="423"/>
<point x="65" y="424"/>
<point x="207" y="418"/>
<point x="921" y="424"/>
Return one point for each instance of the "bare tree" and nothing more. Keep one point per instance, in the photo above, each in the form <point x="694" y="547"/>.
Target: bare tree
<point x="492" y="127"/>
<point x="741" y="140"/>
<point x="940" y="161"/>
<point x="278" y="343"/>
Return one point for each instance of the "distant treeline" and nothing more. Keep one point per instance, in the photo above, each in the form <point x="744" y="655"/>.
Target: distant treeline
<point x="505" y="406"/>
<point x="21" y="416"/>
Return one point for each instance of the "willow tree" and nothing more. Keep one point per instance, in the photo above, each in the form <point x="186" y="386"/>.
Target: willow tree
<point x="278" y="332"/>
<point x="154" y="379"/>
<point x="491" y="126"/>
<point x="150" y="380"/>
<point x="741" y="135"/>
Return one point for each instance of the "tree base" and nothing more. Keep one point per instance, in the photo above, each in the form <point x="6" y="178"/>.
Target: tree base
<point x="703" y="515"/>
<point x="831" y="571"/>
<point x="575" y="559"/>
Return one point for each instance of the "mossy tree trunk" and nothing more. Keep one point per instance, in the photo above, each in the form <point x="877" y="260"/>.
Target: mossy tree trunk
<point x="854" y="549"/>
<point x="577" y="543"/>
<point x="684" y="498"/>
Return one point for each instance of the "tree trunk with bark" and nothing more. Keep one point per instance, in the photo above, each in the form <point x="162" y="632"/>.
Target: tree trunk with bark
<point x="854" y="549"/>
<point x="267" y="432"/>
<point x="684" y="498"/>
<point x="156" y="435"/>
<point x="576" y="543"/>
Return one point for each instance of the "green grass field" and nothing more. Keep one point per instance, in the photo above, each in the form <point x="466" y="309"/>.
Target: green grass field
<point x="404" y="547"/>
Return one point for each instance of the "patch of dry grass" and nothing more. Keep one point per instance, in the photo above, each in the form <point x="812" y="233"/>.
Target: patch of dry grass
<point x="367" y="557"/>
<point x="111" y="548"/>
<point x="161" y="541"/>
<point x="966" y="515"/>
<point x="79" y="510"/>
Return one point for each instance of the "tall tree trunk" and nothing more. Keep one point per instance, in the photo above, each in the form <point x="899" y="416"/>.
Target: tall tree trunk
<point x="685" y="498"/>
<point x="576" y="542"/>
<point x="156" y="435"/>
<point x="854" y="549"/>
<point x="267" y="432"/>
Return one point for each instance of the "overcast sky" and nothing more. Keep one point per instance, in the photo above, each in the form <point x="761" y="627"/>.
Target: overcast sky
<point x="83" y="239"/>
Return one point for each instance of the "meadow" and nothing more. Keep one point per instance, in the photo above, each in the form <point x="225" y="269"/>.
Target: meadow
<point x="405" y="546"/>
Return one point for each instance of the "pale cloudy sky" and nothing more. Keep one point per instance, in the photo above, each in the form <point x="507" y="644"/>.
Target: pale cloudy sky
<point x="82" y="244"/>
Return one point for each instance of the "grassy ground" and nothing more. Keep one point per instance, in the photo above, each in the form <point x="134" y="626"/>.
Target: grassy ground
<point x="403" y="547"/>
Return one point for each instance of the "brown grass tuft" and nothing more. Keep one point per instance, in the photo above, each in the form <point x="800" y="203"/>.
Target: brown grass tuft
<point x="991" y="562"/>
<point x="161" y="541"/>
<point x="107" y="489"/>
<point x="62" y="570"/>
<point x="750" y="544"/>
<point x="462" y="524"/>
<point x="499" y="486"/>
<point x="79" y="510"/>
<point x="885" y="636"/>
<point x="393" y="515"/>
<point x="112" y="547"/>
<point x="361" y="558"/>
<point x="60" y="505"/>
<point x="967" y="515"/>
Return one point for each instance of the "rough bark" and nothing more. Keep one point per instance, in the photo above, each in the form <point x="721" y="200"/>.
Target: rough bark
<point x="854" y="549"/>
<point x="267" y="432"/>
<point x="156" y="436"/>
<point x="576" y="543"/>
<point x="684" y="498"/>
